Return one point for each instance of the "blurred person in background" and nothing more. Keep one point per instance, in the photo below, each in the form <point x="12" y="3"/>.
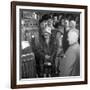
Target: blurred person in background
<point x="55" y="21"/>
<point x="50" y="23"/>
<point x="66" y="30"/>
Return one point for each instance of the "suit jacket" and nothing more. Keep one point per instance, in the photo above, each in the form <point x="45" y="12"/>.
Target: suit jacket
<point x="70" y="64"/>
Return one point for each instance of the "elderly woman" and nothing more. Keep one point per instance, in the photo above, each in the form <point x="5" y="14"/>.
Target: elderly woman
<point x="70" y="64"/>
<point x="72" y="25"/>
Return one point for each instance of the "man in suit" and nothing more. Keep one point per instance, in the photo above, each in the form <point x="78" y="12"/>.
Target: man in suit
<point x="70" y="64"/>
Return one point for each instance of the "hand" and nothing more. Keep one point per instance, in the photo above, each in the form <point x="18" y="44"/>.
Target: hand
<point x="47" y="56"/>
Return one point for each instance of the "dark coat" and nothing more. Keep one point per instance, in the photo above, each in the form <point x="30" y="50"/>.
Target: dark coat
<point x="70" y="64"/>
<point x="43" y="49"/>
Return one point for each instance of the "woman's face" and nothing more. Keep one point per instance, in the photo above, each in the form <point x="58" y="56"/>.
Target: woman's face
<point x="43" y="25"/>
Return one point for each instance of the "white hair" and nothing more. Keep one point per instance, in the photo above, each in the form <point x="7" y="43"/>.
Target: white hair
<point x="73" y="22"/>
<point x="73" y="36"/>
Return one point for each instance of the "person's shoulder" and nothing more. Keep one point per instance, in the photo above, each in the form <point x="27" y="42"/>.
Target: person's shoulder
<point x="73" y="48"/>
<point x="69" y="51"/>
<point x="76" y="30"/>
<point x="76" y="46"/>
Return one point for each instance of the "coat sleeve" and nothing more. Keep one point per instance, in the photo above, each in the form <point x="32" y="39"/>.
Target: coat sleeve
<point x="66" y="65"/>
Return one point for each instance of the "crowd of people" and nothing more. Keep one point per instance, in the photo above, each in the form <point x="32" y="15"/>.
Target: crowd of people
<point x="57" y="50"/>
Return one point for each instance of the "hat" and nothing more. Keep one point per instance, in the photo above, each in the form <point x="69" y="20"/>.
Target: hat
<point x="60" y="29"/>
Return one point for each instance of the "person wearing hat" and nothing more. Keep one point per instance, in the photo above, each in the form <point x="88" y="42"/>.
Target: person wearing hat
<point x="60" y="52"/>
<point x="70" y="64"/>
<point x="45" y="54"/>
<point x="49" y="48"/>
<point x="50" y="23"/>
<point x="38" y="48"/>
